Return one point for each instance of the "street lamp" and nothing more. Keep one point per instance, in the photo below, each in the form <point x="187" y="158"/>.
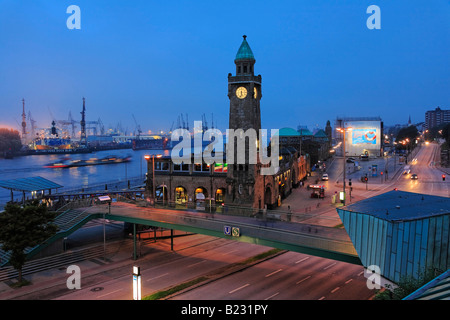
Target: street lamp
<point x="343" y="131"/>
<point x="148" y="157"/>
<point x="104" y="199"/>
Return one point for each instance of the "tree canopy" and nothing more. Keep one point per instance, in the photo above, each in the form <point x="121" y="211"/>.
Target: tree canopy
<point x="9" y="140"/>
<point x="24" y="227"/>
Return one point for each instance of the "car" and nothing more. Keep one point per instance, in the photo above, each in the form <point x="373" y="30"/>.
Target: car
<point x="325" y="176"/>
<point x="350" y="160"/>
<point x="414" y="176"/>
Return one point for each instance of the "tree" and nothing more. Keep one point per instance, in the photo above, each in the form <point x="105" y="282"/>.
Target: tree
<point x="446" y="133"/>
<point x="406" y="285"/>
<point x="9" y="140"/>
<point x="24" y="227"/>
<point x="409" y="133"/>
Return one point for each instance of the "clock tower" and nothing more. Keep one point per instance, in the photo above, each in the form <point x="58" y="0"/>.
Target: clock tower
<point x="244" y="92"/>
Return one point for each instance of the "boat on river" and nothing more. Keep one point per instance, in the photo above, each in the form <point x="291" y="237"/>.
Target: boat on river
<point x="69" y="163"/>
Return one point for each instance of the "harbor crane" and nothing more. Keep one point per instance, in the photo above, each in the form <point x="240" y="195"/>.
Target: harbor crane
<point x="138" y="127"/>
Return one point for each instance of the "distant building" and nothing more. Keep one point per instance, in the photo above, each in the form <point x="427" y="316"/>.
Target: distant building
<point x="436" y="117"/>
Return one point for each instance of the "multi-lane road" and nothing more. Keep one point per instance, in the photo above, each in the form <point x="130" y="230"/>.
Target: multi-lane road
<point x="289" y="276"/>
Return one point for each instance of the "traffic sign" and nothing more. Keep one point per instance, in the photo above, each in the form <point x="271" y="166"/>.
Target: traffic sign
<point x="227" y="230"/>
<point x="236" y="232"/>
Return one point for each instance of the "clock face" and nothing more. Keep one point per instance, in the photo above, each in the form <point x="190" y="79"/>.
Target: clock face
<point x="241" y="92"/>
<point x="255" y="92"/>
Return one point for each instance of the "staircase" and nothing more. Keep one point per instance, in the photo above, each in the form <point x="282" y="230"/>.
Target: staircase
<point x="67" y="222"/>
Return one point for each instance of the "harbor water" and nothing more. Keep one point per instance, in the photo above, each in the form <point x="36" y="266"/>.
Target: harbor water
<point x="75" y="178"/>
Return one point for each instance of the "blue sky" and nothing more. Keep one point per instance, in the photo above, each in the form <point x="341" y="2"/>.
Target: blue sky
<point x="157" y="59"/>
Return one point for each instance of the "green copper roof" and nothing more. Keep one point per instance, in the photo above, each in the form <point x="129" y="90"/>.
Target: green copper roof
<point x="244" y="52"/>
<point x="288" y="132"/>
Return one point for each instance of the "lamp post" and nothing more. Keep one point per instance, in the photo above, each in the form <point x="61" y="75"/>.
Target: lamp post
<point x="343" y="131"/>
<point x="148" y="157"/>
<point x="104" y="199"/>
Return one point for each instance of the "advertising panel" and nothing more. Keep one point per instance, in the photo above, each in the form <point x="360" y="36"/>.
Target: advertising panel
<point x="364" y="136"/>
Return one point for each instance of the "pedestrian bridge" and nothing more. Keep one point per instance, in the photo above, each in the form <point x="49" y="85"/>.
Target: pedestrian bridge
<point x="326" y="242"/>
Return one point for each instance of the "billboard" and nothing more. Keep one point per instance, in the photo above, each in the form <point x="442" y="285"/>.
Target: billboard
<point x="364" y="136"/>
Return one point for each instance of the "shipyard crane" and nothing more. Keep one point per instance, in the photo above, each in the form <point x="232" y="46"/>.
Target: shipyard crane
<point x="33" y="125"/>
<point x="138" y="127"/>
<point x="204" y="123"/>
<point x="101" y="126"/>
<point x="69" y="122"/>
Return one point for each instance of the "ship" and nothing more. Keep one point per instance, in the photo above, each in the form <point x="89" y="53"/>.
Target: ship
<point x="54" y="141"/>
<point x="151" y="143"/>
<point x="51" y="140"/>
<point x="69" y="163"/>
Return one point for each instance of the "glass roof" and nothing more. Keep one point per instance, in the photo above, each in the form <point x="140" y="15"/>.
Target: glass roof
<point x="29" y="184"/>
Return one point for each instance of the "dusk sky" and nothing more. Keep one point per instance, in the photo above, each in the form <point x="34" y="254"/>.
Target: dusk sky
<point x="158" y="59"/>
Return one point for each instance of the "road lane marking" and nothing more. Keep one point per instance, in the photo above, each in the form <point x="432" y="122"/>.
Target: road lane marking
<point x="194" y="264"/>
<point x="245" y="285"/>
<point x="348" y="281"/>
<point x="270" y="274"/>
<point x="103" y="295"/>
<point x="165" y="274"/>
<point x="361" y="273"/>
<point x="300" y="281"/>
<point x="271" y="296"/>
<point x="322" y="298"/>
<point x="327" y="267"/>
<point x="335" y="289"/>
<point x="306" y="258"/>
<point x="229" y="252"/>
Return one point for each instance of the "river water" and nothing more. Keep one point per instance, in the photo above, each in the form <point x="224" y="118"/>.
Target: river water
<point x="75" y="177"/>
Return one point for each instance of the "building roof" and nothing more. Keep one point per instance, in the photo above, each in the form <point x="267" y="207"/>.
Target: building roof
<point x="402" y="206"/>
<point x="304" y="132"/>
<point x="320" y="134"/>
<point x="29" y="184"/>
<point x="288" y="132"/>
<point x="244" y="52"/>
<point x="436" y="289"/>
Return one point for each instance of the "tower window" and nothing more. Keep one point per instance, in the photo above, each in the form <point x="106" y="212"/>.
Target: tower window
<point x="245" y="69"/>
<point x="239" y="69"/>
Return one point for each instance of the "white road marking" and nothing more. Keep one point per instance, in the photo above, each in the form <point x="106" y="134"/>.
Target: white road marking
<point x="194" y="264"/>
<point x="327" y="267"/>
<point x="165" y="274"/>
<point x="245" y="285"/>
<point x="229" y="252"/>
<point x="103" y="295"/>
<point x="335" y="289"/>
<point x="348" y="281"/>
<point x="271" y="296"/>
<point x="270" y="274"/>
<point x="300" y="281"/>
<point x="322" y="298"/>
<point x="306" y="258"/>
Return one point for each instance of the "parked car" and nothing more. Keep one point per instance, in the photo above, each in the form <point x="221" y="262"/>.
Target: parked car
<point x="325" y="176"/>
